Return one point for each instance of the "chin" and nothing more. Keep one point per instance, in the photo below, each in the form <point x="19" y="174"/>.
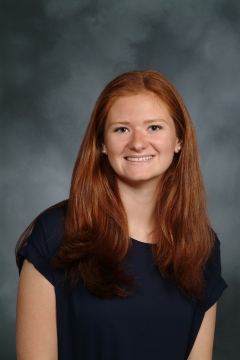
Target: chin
<point x="140" y="179"/>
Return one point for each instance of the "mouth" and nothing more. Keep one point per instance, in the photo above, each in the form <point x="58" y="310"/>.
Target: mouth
<point x="139" y="159"/>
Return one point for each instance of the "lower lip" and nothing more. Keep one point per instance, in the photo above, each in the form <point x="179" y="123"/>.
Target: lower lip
<point x="139" y="162"/>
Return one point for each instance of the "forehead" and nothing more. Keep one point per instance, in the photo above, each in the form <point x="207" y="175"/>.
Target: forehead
<point x="146" y="104"/>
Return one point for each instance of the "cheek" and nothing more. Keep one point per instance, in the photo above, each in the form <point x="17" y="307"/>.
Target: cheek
<point x="167" y="144"/>
<point x="114" y="145"/>
<point x="110" y="146"/>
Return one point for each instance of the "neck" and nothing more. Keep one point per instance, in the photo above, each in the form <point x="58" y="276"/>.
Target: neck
<point x="139" y="203"/>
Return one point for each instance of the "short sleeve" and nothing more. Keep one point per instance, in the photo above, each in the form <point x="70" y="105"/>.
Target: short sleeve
<point x="214" y="283"/>
<point x="214" y="287"/>
<point x="43" y="243"/>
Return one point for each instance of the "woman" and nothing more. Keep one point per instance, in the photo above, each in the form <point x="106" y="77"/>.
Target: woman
<point x="127" y="268"/>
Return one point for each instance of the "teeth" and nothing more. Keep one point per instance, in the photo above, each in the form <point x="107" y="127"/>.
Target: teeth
<point x="144" y="158"/>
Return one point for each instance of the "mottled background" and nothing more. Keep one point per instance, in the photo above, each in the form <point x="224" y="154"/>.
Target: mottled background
<point x="57" y="55"/>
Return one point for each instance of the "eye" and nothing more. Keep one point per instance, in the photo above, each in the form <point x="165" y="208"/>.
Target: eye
<point x="121" y="129"/>
<point x="154" y="127"/>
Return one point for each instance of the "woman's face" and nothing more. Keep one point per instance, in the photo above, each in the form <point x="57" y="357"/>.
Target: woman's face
<point x="140" y="138"/>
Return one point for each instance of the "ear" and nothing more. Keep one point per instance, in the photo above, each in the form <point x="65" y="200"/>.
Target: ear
<point x="104" y="150"/>
<point x="178" y="146"/>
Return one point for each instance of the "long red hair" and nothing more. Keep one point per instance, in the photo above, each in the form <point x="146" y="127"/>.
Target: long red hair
<point x="96" y="238"/>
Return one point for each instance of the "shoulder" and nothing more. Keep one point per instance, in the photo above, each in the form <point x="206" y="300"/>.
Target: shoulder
<point x="52" y="220"/>
<point x="49" y="227"/>
<point x="45" y="237"/>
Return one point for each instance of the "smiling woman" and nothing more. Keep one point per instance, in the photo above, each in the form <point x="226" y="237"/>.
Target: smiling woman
<point x="128" y="267"/>
<point x="140" y="139"/>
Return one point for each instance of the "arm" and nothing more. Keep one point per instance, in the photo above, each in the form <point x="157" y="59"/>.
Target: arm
<point x="203" y="346"/>
<point x="36" y="316"/>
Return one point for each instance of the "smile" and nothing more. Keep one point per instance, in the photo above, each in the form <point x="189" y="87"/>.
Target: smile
<point x="144" y="158"/>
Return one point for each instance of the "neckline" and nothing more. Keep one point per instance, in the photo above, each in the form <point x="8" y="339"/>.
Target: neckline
<point x="140" y="243"/>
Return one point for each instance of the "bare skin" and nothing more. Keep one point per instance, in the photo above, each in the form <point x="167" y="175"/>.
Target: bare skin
<point x="36" y="330"/>
<point x="139" y="222"/>
<point x="203" y="346"/>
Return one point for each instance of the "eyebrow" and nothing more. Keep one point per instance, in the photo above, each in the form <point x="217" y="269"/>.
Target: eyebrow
<point x="154" y="121"/>
<point x="150" y="121"/>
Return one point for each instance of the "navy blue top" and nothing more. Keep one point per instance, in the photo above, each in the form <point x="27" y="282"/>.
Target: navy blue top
<point x="155" y="323"/>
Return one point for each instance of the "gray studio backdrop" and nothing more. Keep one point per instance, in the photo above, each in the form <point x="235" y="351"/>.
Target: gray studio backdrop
<point x="57" y="55"/>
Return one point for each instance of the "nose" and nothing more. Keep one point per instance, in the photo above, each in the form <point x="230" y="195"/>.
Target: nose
<point x="138" y="141"/>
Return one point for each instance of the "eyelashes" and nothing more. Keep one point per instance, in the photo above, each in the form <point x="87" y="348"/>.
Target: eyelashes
<point x="123" y="129"/>
<point x="155" y="127"/>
